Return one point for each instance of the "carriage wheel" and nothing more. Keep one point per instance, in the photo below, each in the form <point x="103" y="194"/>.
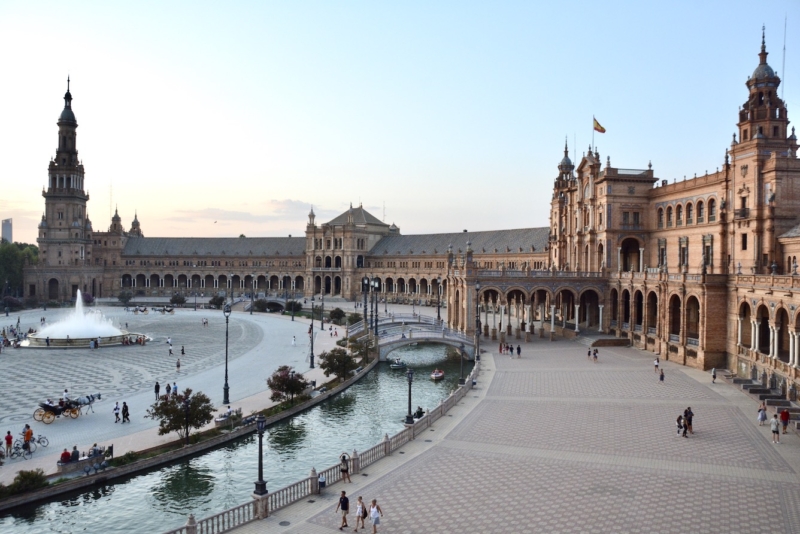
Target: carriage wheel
<point x="48" y="417"/>
<point x="75" y="412"/>
<point x="37" y="415"/>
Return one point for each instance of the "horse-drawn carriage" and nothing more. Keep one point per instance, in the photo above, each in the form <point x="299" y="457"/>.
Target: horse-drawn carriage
<point x="47" y="413"/>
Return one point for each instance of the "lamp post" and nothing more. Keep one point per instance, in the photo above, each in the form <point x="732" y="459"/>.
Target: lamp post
<point x="322" y="311"/>
<point x="365" y="289"/>
<point x="227" y="312"/>
<point x="410" y="416"/>
<point x="187" y="407"/>
<point x="195" y="292"/>
<point x="311" y="334"/>
<point x="293" y="300"/>
<point x="252" y="291"/>
<point x="375" y="284"/>
<point x="261" y="484"/>
<point x="461" y="380"/>
<point x="439" y="299"/>
<point x="477" y="322"/>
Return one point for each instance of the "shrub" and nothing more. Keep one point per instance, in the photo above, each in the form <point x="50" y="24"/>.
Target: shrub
<point x="125" y="297"/>
<point x="260" y="305"/>
<point x="353" y="318"/>
<point x="177" y="300"/>
<point x="337" y="315"/>
<point x="87" y="298"/>
<point x="12" y="303"/>
<point x="28" y="481"/>
<point x="294" y="305"/>
<point x="217" y="301"/>
<point x="127" y="458"/>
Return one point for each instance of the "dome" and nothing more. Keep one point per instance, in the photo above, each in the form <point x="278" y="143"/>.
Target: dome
<point x="763" y="71"/>
<point x="67" y="115"/>
<point x="566" y="162"/>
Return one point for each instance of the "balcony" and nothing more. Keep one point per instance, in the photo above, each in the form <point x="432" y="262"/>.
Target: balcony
<point x="741" y="213"/>
<point x="674" y="338"/>
<point x="326" y="269"/>
<point x="631" y="226"/>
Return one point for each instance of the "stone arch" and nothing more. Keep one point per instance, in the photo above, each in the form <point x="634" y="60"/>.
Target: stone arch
<point x="675" y="310"/>
<point x="360" y="261"/>
<point x="626" y="308"/>
<point x="337" y="285"/>
<point x="197" y="282"/>
<point x="183" y="281"/>
<point x="589" y="311"/>
<point x="746" y="322"/>
<point x="299" y="283"/>
<point x="652" y="312"/>
<point x="222" y="283"/>
<point x="670" y="219"/>
<point x="317" y="285"/>
<point x="127" y="281"/>
<point x="141" y="281"/>
<point x="701" y="211"/>
<point x="169" y="281"/>
<point x="423" y="286"/>
<point x="318" y="262"/>
<point x="638" y="310"/>
<point x="401" y="286"/>
<point x="762" y="324"/>
<point x="328" y="262"/>
<point x="209" y="282"/>
<point x="689" y="213"/>
<point x="412" y="286"/>
<point x="52" y="289"/>
<point x="692" y="318"/>
<point x="782" y="334"/>
<point x="630" y="254"/>
<point x="679" y="215"/>
<point x="389" y="285"/>
<point x="337" y="262"/>
<point x="614" y="301"/>
<point x="273" y="282"/>
<point x="565" y="299"/>
<point x="328" y="285"/>
<point x="261" y="283"/>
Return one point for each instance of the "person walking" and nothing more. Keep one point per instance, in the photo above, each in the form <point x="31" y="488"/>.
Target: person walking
<point x="178" y="365"/>
<point x="714" y="375"/>
<point x="125" y="413"/>
<point x="361" y="513"/>
<point x="519" y="352"/>
<point x="170" y="350"/>
<point x="294" y="341"/>
<point x="775" y="426"/>
<point x="175" y="389"/>
<point x="685" y="427"/>
<point x="157" y="389"/>
<point x="655" y="364"/>
<point x="169" y="389"/>
<point x="374" y="511"/>
<point x="594" y="355"/>
<point x="345" y="467"/>
<point x="183" y="351"/>
<point x="679" y="422"/>
<point x="688" y="415"/>
<point x="762" y="414"/>
<point x="116" y="412"/>
<point x="589" y="354"/>
<point x="785" y="416"/>
<point x="344" y="506"/>
<point x="661" y="376"/>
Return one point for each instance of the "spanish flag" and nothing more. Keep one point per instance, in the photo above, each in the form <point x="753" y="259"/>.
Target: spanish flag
<point x="597" y="127"/>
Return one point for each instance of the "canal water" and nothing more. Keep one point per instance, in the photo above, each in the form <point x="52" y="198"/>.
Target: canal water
<point x="162" y="499"/>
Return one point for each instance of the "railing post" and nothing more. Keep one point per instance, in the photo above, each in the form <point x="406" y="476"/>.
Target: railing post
<point x="314" y="481"/>
<point x="191" y="525"/>
<point x="261" y="503"/>
<point x="387" y="445"/>
<point x="355" y="462"/>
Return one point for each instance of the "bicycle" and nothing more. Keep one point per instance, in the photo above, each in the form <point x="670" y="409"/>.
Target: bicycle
<point x="21" y="443"/>
<point x="41" y="440"/>
<point x="20" y="450"/>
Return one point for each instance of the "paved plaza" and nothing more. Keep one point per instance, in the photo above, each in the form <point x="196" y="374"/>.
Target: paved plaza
<point x="553" y="442"/>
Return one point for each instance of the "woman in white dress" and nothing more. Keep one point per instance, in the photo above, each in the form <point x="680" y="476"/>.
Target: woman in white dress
<point x="375" y="514"/>
<point x="361" y="513"/>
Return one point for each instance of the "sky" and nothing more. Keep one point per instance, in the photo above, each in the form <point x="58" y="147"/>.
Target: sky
<point x="220" y="119"/>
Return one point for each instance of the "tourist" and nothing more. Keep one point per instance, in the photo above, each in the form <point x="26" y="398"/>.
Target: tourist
<point x="9" y="441"/>
<point x="75" y="456"/>
<point x="785" y="416"/>
<point x="169" y="389"/>
<point x="501" y="348"/>
<point x="343" y="505"/>
<point x="183" y="352"/>
<point x="66" y="395"/>
<point x="65" y="457"/>
<point x="345" y="467"/>
<point x="125" y="413"/>
<point x="661" y="376"/>
<point x="28" y="437"/>
<point x="589" y="354"/>
<point x="655" y="365"/>
<point x="177" y="364"/>
<point x="175" y="389"/>
<point x="762" y="414"/>
<point x="688" y="415"/>
<point x="714" y="375"/>
<point x="170" y="350"/>
<point x="294" y="341"/>
<point x="116" y="410"/>
<point x="158" y="388"/>
<point x="775" y="425"/>
<point x="519" y="351"/>
<point x="361" y="513"/>
<point x="594" y="355"/>
<point x="685" y="426"/>
<point x="374" y="510"/>
<point x="169" y="340"/>
<point x="679" y="422"/>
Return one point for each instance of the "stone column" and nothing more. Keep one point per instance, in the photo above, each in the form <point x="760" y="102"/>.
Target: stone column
<point x="641" y="259"/>
<point x="796" y="350"/>
<point x="739" y="332"/>
<point x="541" y="320"/>
<point x="600" y="328"/>
<point x="552" y="321"/>
<point x="494" y="321"/>
<point x="577" y="318"/>
<point x="619" y="259"/>
<point x="502" y="316"/>
<point x="791" y="349"/>
<point x="754" y="327"/>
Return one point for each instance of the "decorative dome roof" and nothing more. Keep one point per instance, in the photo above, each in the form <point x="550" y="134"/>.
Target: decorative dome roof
<point x="566" y="165"/>
<point x="763" y="70"/>
<point x="67" y="114"/>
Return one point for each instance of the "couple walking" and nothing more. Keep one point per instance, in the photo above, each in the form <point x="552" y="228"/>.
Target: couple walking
<point x="363" y="510"/>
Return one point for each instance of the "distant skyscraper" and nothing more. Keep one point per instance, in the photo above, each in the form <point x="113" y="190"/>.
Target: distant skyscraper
<point x="7" y="230"/>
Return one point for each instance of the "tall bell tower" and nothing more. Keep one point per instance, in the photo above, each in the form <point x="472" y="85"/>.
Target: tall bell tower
<point x="65" y="230"/>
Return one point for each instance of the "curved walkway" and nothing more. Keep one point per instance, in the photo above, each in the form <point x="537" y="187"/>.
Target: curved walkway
<point x="552" y="442"/>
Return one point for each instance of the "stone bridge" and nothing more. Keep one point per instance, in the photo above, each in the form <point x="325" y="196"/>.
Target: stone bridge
<point x="400" y="330"/>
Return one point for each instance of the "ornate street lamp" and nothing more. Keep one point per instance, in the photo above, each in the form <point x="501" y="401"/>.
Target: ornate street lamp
<point x="365" y="289"/>
<point x="252" y="292"/>
<point x="461" y="380"/>
<point x="227" y="312"/>
<point x="477" y="322"/>
<point x="439" y="300"/>
<point x="375" y="284"/>
<point x="322" y="311"/>
<point x="261" y="484"/>
<point x="410" y="416"/>
<point x="311" y="334"/>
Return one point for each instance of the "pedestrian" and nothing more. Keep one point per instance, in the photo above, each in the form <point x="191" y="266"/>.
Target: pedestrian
<point x="661" y="376"/>
<point x="125" y="413"/>
<point x="170" y="350"/>
<point x="169" y="340"/>
<point x="158" y="388"/>
<point x="178" y="365"/>
<point x="519" y="351"/>
<point x="679" y="422"/>
<point x="169" y="389"/>
<point x="688" y="415"/>
<point x="501" y="348"/>
<point x="374" y="510"/>
<point x="116" y="413"/>
<point x="345" y="467"/>
<point x="655" y="363"/>
<point x="343" y="505"/>
<point x="685" y="427"/>
<point x="589" y="354"/>
<point x="9" y="441"/>
<point x="714" y="375"/>
<point x="762" y="414"/>
<point x="775" y="425"/>
<point x="175" y="389"/>
<point x="785" y="416"/>
<point x="183" y="352"/>
<point x="361" y="513"/>
<point x="594" y="355"/>
<point x="294" y="341"/>
<point x="27" y="436"/>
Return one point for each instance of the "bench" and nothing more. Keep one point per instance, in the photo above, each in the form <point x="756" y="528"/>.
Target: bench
<point x="84" y="461"/>
<point x="223" y="420"/>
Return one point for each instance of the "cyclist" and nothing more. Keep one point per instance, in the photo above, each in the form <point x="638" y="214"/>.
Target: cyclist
<point x="28" y="436"/>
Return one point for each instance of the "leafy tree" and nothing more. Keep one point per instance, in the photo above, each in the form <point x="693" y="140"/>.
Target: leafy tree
<point x="125" y="297"/>
<point x="337" y="314"/>
<point x="13" y="258"/>
<point x="217" y="301"/>
<point x="260" y="305"/>
<point x="294" y="305"/>
<point x="177" y="300"/>
<point x="286" y="383"/>
<point x="241" y="236"/>
<point x="337" y="362"/>
<point x="170" y="412"/>
<point x="361" y="347"/>
<point x="353" y="318"/>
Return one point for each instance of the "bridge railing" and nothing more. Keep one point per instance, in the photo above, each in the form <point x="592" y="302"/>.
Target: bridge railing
<point x="395" y="318"/>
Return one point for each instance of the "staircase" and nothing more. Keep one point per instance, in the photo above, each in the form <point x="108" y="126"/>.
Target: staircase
<point x="772" y="398"/>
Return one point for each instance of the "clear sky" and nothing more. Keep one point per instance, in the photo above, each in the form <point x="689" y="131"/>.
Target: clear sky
<point x="452" y="115"/>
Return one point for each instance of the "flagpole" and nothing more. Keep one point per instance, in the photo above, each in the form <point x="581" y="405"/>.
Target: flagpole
<point x="593" y="119"/>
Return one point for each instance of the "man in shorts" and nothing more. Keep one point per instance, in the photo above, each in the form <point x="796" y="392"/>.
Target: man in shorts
<point x="785" y="416"/>
<point x="344" y="506"/>
<point x="775" y="426"/>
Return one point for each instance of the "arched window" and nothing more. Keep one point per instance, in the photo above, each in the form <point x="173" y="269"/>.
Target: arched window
<point x="661" y="217"/>
<point x="712" y="210"/>
<point x="669" y="216"/>
<point x="701" y="212"/>
<point x="689" y="213"/>
<point x="679" y="215"/>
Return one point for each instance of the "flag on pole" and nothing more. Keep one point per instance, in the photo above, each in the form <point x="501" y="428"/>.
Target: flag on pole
<point x="597" y="127"/>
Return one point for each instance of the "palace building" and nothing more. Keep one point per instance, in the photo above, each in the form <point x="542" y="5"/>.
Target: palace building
<point x="701" y="271"/>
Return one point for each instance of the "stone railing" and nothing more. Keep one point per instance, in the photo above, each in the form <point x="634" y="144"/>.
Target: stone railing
<point x="397" y="318"/>
<point x="235" y="517"/>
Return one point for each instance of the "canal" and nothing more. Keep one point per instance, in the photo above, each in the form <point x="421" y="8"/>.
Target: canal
<point x="160" y="500"/>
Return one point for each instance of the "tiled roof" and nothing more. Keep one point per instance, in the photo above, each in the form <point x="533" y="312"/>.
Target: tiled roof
<point x="496" y="241"/>
<point x="215" y="246"/>
<point x="360" y="216"/>
<point x="794" y="232"/>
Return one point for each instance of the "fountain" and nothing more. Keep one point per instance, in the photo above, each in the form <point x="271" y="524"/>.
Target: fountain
<point x="77" y="330"/>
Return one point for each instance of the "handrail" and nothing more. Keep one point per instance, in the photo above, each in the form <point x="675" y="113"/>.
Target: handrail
<point x="289" y="494"/>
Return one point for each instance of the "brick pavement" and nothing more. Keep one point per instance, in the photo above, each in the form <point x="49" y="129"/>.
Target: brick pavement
<point x="555" y="443"/>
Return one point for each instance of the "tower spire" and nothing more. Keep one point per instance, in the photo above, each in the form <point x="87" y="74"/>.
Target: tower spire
<point x="763" y="54"/>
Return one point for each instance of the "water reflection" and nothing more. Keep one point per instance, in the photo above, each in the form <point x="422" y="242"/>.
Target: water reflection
<point x="287" y="438"/>
<point x="182" y="484"/>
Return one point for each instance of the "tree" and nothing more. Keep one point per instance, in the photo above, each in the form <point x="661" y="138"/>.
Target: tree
<point x="217" y="301"/>
<point x="241" y="236"/>
<point x="13" y="258"/>
<point x="337" y="362"/>
<point x="260" y="305"/>
<point x="293" y="305"/>
<point x="177" y="300"/>
<point x="125" y="297"/>
<point x="353" y="318"/>
<point x="337" y="314"/>
<point x="360" y="348"/>
<point x="286" y="383"/>
<point x="170" y="412"/>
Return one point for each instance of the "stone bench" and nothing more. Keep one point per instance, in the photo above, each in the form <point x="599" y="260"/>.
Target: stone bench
<point x="224" y="420"/>
<point x="71" y="467"/>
